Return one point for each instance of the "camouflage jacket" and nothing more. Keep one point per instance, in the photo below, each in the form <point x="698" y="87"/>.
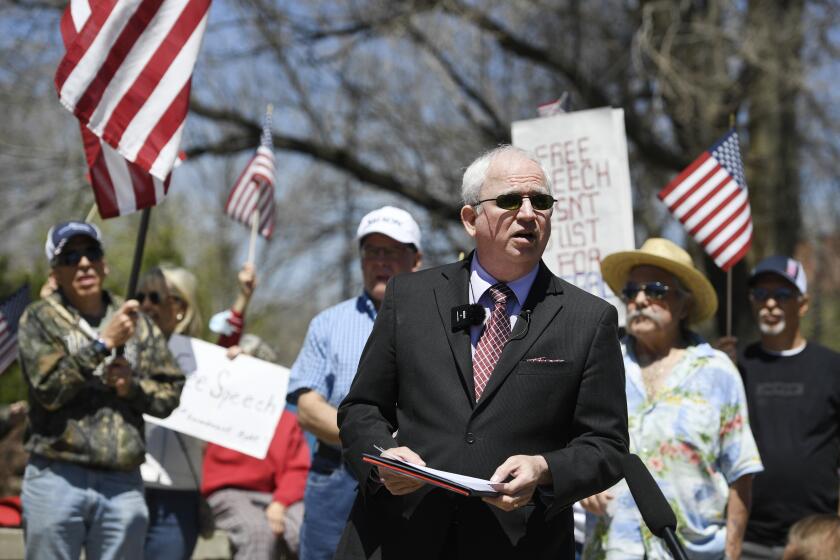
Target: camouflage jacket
<point x="73" y="415"/>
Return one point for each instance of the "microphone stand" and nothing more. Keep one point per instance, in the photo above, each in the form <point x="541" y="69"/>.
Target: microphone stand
<point x="674" y="546"/>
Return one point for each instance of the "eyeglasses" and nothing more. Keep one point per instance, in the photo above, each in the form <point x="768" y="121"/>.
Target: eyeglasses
<point x="779" y="294"/>
<point x="513" y="201"/>
<point x="74" y="256"/>
<point x="653" y="290"/>
<point x="387" y="253"/>
<point x="154" y="297"/>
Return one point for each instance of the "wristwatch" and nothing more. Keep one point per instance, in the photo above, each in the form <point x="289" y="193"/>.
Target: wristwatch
<point x="100" y="346"/>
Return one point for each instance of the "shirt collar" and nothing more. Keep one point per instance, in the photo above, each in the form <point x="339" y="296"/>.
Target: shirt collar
<point x="481" y="280"/>
<point x="365" y="305"/>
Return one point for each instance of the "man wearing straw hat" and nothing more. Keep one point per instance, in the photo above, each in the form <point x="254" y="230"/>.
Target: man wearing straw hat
<point x="687" y="414"/>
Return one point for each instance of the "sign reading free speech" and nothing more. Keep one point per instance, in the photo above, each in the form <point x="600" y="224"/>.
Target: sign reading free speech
<point x="585" y="153"/>
<point x="235" y="403"/>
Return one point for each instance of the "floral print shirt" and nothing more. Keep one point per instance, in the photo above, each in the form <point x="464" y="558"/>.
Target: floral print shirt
<point x="695" y="439"/>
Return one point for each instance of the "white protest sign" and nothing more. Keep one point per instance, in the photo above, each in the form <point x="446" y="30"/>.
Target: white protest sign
<point x="585" y="154"/>
<point x="235" y="403"/>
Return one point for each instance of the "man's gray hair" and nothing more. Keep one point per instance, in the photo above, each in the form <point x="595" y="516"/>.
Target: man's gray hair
<point x="476" y="173"/>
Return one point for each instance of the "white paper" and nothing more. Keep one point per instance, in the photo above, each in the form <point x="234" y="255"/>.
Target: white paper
<point x="475" y="484"/>
<point x="235" y="403"/>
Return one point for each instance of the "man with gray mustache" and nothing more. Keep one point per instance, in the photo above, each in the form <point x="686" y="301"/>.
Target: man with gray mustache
<point x="687" y="414"/>
<point x="793" y="394"/>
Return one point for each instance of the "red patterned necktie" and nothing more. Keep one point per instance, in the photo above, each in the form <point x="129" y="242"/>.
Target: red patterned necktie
<point x="493" y="339"/>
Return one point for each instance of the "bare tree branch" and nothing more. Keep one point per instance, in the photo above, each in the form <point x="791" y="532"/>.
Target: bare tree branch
<point x="343" y="159"/>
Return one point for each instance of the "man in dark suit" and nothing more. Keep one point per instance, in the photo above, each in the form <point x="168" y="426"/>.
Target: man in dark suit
<point x="532" y="397"/>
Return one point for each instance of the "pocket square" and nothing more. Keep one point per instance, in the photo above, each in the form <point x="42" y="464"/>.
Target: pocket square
<point x="544" y="360"/>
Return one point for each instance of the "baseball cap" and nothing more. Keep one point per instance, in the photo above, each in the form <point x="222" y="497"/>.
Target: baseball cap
<point x="394" y="222"/>
<point x="786" y="267"/>
<point x="60" y="234"/>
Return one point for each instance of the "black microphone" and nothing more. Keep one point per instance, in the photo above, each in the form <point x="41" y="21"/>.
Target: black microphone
<point x="465" y="316"/>
<point x="655" y="510"/>
<point x="520" y="335"/>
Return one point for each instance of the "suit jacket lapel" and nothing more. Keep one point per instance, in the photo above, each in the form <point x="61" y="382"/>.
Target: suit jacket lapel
<point x="545" y="301"/>
<point x="452" y="293"/>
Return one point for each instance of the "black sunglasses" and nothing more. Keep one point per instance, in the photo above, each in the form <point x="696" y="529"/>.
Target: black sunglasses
<point x="779" y="294"/>
<point x="74" y="256"/>
<point x="653" y="290"/>
<point x="513" y="201"/>
<point x="154" y="297"/>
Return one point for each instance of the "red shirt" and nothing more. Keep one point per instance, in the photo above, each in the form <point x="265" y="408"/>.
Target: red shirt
<point x="282" y="472"/>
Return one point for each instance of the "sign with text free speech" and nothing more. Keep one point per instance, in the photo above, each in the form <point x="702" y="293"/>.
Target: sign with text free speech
<point x="585" y="154"/>
<point x="234" y="403"/>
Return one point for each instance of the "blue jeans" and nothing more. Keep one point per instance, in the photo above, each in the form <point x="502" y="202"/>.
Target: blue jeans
<point x="326" y="505"/>
<point x="173" y="523"/>
<point x="68" y="507"/>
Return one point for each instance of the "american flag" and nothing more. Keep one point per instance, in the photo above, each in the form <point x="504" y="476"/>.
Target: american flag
<point x="126" y="76"/>
<point x="555" y="107"/>
<point x="10" y="311"/>
<point x="709" y="197"/>
<point x="255" y="187"/>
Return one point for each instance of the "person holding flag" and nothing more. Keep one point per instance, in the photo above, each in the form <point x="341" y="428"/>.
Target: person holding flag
<point x="793" y="395"/>
<point x="687" y="414"/>
<point x="82" y="487"/>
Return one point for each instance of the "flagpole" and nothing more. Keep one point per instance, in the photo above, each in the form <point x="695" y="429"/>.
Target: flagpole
<point x="138" y="260"/>
<point x="91" y="214"/>
<point x="138" y="252"/>
<point x="729" y="302"/>
<point x="729" y="271"/>
<point x="252" y="245"/>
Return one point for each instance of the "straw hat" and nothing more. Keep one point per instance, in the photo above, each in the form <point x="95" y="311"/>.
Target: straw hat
<point x="666" y="255"/>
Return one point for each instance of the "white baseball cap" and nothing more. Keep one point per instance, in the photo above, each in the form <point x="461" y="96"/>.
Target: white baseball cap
<point x="396" y="223"/>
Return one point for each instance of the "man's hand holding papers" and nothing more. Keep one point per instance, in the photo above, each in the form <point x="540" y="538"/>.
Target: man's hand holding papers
<point x="516" y="480"/>
<point x="396" y="483"/>
<point x="402" y="471"/>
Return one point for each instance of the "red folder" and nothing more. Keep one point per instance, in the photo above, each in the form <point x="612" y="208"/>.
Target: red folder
<point x="439" y="480"/>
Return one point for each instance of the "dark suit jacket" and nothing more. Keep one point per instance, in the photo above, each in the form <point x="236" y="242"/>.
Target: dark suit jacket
<point x="415" y="378"/>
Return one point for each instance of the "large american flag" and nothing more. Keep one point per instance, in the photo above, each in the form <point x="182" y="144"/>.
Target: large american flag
<point x="126" y="76"/>
<point x="255" y="187"/>
<point x="10" y="311"/>
<point x="709" y="197"/>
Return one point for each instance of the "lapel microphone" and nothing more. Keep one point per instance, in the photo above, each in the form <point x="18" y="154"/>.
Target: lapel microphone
<point x="465" y="316"/>
<point x="521" y="335"/>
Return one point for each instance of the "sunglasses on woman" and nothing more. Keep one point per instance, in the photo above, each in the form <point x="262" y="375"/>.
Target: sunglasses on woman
<point x="513" y="201"/>
<point x="652" y="290"/>
<point x="154" y="297"/>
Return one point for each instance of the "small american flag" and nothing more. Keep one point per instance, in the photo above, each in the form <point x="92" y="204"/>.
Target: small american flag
<point x="254" y="190"/>
<point x="556" y="107"/>
<point x="709" y="197"/>
<point x="10" y="311"/>
<point x="126" y="75"/>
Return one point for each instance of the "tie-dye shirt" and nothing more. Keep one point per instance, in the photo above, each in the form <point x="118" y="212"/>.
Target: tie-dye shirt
<point x="695" y="439"/>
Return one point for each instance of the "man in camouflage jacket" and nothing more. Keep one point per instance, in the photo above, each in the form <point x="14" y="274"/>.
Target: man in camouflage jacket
<point x="82" y="486"/>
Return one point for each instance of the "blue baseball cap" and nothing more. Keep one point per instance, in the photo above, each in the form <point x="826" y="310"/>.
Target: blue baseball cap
<point x="786" y="267"/>
<point x="60" y="234"/>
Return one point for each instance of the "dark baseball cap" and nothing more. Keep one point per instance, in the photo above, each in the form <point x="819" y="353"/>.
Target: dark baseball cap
<point x="60" y="234"/>
<point x="786" y="267"/>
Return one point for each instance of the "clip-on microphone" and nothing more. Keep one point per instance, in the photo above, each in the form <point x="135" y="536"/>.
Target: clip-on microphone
<point x="518" y="336"/>
<point x="465" y="316"/>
